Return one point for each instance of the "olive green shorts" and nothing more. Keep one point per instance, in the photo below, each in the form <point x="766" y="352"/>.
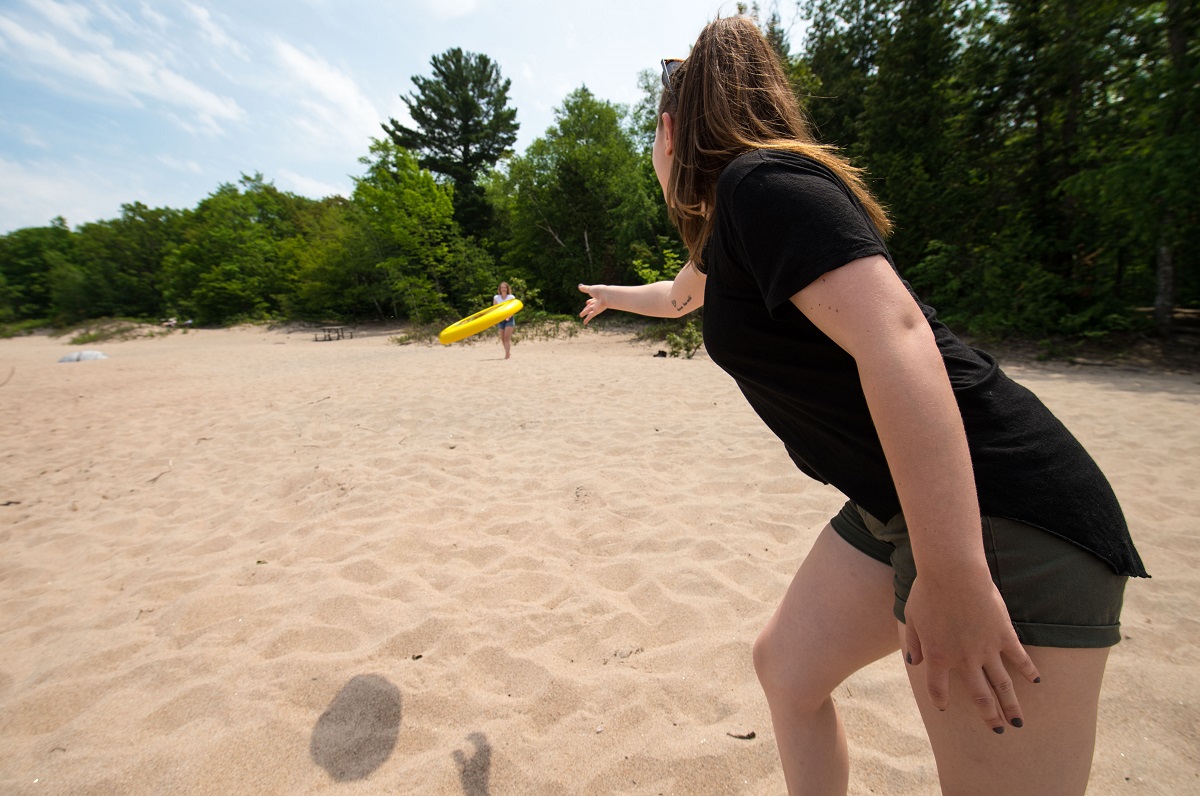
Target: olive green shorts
<point x="1058" y="594"/>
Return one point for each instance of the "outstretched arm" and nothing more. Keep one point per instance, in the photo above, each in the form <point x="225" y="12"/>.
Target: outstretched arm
<point x="658" y="300"/>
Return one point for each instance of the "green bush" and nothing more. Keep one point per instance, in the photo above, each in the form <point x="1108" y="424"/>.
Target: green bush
<point x="687" y="342"/>
<point x="21" y="328"/>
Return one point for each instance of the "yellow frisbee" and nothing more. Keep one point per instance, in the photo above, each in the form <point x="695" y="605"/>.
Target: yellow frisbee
<point x="484" y="319"/>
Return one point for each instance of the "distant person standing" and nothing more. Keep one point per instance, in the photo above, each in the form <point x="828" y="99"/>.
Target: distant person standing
<point x="508" y="324"/>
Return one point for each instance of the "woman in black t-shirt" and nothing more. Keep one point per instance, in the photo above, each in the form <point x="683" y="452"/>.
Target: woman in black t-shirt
<point x="953" y="470"/>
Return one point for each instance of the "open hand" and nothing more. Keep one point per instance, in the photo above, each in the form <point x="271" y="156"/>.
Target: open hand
<point x="596" y="304"/>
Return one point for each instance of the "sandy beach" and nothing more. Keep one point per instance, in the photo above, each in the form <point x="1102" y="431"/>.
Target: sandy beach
<point x="243" y="561"/>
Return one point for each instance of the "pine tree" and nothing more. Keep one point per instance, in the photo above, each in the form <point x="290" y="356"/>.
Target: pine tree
<point x="463" y="127"/>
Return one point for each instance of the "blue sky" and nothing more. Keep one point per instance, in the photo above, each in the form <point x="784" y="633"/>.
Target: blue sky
<point x="103" y="103"/>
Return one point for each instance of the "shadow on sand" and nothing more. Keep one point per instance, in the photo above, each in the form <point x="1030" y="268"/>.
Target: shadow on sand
<point x="357" y="732"/>
<point x="474" y="771"/>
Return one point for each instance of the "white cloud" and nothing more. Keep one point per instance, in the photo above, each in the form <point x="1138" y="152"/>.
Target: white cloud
<point x="307" y="186"/>
<point x="335" y="111"/>
<point x="25" y="133"/>
<point x="31" y="137"/>
<point x="179" y="164"/>
<point x="30" y="188"/>
<point x="119" y="17"/>
<point x="93" y="62"/>
<point x="215" y="34"/>
<point x="72" y="19"/>
<point x="452" y="9"/>
<point x="149" y="13"/>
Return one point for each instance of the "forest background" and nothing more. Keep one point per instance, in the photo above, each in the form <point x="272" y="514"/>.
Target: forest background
<point x="1039" y="159"/>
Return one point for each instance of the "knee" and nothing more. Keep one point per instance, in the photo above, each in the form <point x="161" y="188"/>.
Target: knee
<point x="785" y="673"/>
<point x="768" y="663"/>
<point x="761" y="653"/>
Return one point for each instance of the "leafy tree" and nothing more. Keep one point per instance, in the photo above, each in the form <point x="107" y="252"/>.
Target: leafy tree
<point x="839" y="56"/>
<point x="643" y="115"/>
<point x="122" y="260"/>
<point x="1039" y="160"/>
<point x="70" y="293"/>
<point x="1175" y="163"/>
<point x="1057" y="107"/>
<point x="337" y="274"/>
<point x="464" y="127"/>
<point x="232" y="265"/>
<point x="1046" y="73"/>
<point x="85" y="286"/>
<point x="906" y="117"/>
<point x="7" y="300"/>
<point x="1037" y="157"/>
<point x="658" y="253"/>
<point x="798" y="70"/>
<point x="772" y="29"/>
<point x="27" y="257"/>
<point x="580" y="201"/>
<point x="410" y="231"/>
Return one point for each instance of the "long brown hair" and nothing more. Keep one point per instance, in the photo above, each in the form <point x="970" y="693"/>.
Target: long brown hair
<point x="729" y="97"/>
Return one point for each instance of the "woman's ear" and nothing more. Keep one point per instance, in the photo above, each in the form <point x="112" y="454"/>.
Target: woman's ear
<point x="669" y="131"/>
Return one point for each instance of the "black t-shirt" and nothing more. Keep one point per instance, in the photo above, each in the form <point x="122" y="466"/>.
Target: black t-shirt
<point x="783" y="220"/>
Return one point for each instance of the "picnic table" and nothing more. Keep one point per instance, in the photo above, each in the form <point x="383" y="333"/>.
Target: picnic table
<point x="333" y="333"/>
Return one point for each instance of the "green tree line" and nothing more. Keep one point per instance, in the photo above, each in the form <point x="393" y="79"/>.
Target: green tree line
<point x="1039" y="158"/>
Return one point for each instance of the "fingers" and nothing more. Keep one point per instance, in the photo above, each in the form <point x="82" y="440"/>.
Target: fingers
<point x="595" y="304"/>
<point x="980" y="689"/>
<point x="990" y="689"/>
<point x="590" y="310"/>
<point x="995" y="697"/>
<point x="1000" y="682"/>
<point x="912" y="645"/>
<point x="1008" y="708"/>
<point x="937" y="683"/>
<point x="1020" y="658"/>
<point x="1004" y="688"/>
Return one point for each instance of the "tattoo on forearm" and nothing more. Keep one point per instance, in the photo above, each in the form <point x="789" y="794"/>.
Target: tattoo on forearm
<point x="681" y="307"/>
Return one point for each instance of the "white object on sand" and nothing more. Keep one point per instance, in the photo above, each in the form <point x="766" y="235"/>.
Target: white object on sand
<point x="82" y="356"/>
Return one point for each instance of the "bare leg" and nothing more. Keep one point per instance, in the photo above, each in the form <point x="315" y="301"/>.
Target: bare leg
<point x="506" y="338"/>
<point x="1051" y="754"/>
<point x="835" y="618"/>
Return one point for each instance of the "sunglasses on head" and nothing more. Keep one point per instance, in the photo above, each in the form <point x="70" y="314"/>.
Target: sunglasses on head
<point x="669" y="65"/>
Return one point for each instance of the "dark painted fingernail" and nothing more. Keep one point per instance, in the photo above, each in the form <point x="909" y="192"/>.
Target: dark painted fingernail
<point x="998" y="730"/>
<point x="908" y="657"/>
<point x="1017" y="723"/>
<point x="1037" y="679"/>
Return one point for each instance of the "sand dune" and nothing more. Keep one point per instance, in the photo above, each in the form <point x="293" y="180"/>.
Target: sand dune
<point x="245" y="562"/>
